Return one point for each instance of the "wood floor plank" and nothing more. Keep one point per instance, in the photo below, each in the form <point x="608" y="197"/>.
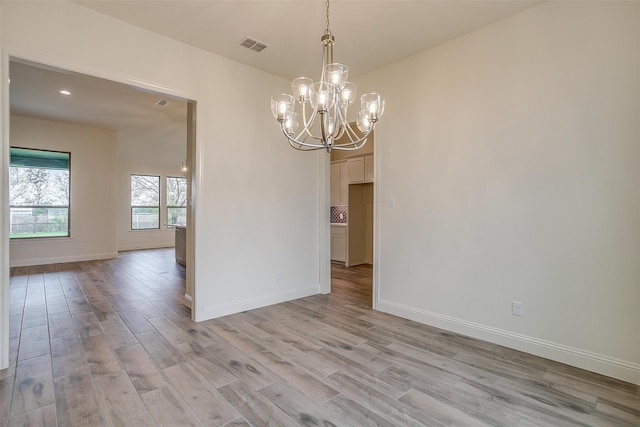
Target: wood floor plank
<point x="296" y="377"/>
<point x="254" y="407"/>
<point x="203" y="399"/>
<point x="60" y="325"/>
<point x="100" y="356"/>
<point x="238" y="339"/>
<point x="144" y="374"/>
<point x="394" y="411"/>
<point x="299" y="407"/>
<point x="41" y="417"/>
<point x="243" y="366"/>
<point x="34" y="315"/>
<point x="76" y="403"/>
<point x="172" y="333"/>
<point x="443" y="412"/>
<point x="160" y="350"/>
<point x="103" y="310"/>
<point x="120" y="403"/>
<point x="117" y="333"/>
<point x="68" y="356"/>
<point x="15" y="325"/>
<point x="33" y="387"/>
<point x="34" y="342"/>
<point x="78" y="305"/>
<point x="6" y="393"/>
<point x="167" y="408"/>
<point x="57" y="304"/>
<point x="209" y="366"/>
<point x="346" y="409"/>
<point x="135" y="321"/>
<point x="86" y="324"/>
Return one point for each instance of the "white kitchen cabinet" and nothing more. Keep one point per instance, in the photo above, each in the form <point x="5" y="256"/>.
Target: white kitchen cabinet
<point x="338" y="243"/>
<point x="344" y="184"/>
<point x="356" y="169"/>
<point x="339" y="186"/>
<point x="361" y="169"/>
<point x="336" y="184"/>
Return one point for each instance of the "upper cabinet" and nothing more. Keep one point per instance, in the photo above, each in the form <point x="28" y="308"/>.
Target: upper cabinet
<point x="339" y="183"/>
<point x="336" y="182"/>
<point x="361" y="169"/>
<point x="351" y="171"/>
<point x="356" y="169"/>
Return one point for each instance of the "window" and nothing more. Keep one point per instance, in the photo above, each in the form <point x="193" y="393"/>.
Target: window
<point x="145" y="202"/>
<point x="38" y="193"/>
<point x="176" y="201"/>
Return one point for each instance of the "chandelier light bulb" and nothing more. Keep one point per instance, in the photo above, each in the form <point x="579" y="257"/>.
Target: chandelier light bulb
<point x="291" y="123"/>
<point x="301" y="88"/>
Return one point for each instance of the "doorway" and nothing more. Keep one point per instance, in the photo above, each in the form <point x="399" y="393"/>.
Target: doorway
<point x="352" y="223"/>
<point x="154" y="133"/>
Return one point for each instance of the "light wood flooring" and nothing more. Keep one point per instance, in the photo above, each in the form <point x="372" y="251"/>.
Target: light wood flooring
<point x="111" y="343"/>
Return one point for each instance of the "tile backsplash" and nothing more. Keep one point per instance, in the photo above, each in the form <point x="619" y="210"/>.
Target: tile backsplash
<point x="339" y="214"/>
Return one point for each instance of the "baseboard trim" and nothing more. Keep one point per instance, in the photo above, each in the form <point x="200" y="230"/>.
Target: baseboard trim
<point x="145" y="246"/>
<point x="58" y="260"/>
<point x="601" y="364"/>
<point x="253" y="303"/>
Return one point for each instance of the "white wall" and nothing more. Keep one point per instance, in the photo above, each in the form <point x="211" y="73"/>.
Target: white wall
<point x="139" y="155"/>
<point x="513" y="156"/>
<point x="257" y="207"/>
<point x="93" y="191"/>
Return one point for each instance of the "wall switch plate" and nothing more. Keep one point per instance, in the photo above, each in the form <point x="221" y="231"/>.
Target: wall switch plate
<point x="278" y="275"/>
<point x="516" y="308"/>
<point x="392" y="202"/>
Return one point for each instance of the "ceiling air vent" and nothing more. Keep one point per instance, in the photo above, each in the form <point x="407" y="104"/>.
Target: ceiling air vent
<point x="252" y="44"/>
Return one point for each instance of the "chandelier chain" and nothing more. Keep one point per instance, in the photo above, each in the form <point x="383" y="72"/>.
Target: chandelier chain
<point x="327" y="31"/>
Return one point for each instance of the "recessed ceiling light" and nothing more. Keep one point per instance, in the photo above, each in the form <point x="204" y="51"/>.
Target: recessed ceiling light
<point x="162" y="102"/>
<point x="65" y="92"/>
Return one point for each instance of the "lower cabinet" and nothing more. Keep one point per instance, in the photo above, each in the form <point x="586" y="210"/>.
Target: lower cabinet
<point x="181" y="245"/>
<point x="339" y="243"/>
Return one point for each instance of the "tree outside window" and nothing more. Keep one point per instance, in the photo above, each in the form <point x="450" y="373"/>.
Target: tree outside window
<point x="176" y="201"/>
<point x="145" y="202"/>
<point x="38" y="193"/>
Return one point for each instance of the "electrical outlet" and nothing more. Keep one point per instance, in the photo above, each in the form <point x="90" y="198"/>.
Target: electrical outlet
<point x="278" y="275"/>
<point x="516" y="308"/>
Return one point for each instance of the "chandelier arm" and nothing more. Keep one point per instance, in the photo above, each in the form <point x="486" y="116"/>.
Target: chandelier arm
<point x="336" y="110"/>
<point x="302" y="148"/>
<point x="345" y="128"/>
<point x="352" y="133"/>
<point x="353" y="143"/>
<point x="296" y="141"/>
<point x="308" y="124"/>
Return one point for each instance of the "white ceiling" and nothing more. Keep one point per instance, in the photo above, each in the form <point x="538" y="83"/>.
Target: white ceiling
<point x="35" y="92"/>
<point x="369" y="34"/>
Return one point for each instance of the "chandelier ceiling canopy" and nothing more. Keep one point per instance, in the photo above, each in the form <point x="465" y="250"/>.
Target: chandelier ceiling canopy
<point x="325" y="107"/>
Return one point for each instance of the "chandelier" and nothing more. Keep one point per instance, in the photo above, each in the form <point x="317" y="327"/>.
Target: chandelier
<point x="324" y="107"/>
